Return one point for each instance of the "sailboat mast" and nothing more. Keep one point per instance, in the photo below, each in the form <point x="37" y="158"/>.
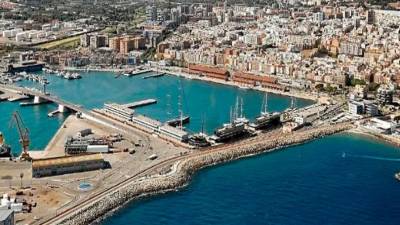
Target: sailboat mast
<point x="266" y="103"/>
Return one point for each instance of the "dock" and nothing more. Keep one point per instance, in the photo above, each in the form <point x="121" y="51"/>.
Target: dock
<point x="53" y="113"/>
<point x="22" y="104"/>
<point x="137" y="72"/>
<point x="18" y="98"/>
<point x="140" y="103"/>
<point x="154" y="75"/>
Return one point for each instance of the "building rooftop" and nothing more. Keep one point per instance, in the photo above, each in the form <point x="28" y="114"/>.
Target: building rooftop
<point x="5" y="213"/>
<point x="65" y="160"/>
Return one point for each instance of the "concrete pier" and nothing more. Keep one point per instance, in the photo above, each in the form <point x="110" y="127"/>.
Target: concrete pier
<point x="36" y="101"/>
<point x="140" y="103"/>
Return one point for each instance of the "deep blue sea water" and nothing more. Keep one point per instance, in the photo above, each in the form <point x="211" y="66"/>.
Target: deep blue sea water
<point x="333" y="180"/>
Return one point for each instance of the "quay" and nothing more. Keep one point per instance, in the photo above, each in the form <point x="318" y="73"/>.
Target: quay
<point x="138" y="72"/>
<point x="18" y="98"/>
<point x="137" y="104"/>
<point x="154" y="75"/>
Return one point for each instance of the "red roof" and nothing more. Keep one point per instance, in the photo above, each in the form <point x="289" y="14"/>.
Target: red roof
<point x="252" y="77"/>
<point x="207" y="69"/>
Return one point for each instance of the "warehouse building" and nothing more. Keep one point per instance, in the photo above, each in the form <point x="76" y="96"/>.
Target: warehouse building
<point x="67" y="164"/>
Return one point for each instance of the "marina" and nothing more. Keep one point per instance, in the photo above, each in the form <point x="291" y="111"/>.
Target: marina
<point x="120" y="117"/>
<point x="194" y="105"/>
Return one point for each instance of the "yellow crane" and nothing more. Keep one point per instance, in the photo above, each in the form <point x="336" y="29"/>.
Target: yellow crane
<point x="23" y="134"/>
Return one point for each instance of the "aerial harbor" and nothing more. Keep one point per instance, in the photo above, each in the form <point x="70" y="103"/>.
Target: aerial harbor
<point x="199" y="112"/>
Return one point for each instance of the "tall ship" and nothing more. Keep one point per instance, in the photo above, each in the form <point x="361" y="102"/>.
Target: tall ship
<point x="265" y="119"/>
<point x="5" y="150"/>
<point x="236" y="127"/>
<point x="230" y="130"/>
<point x="199" y="140"/>
<point x="239" y="116"/>
<point x="180" y="121"/>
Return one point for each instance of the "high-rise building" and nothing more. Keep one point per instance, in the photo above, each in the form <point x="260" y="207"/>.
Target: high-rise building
<point x="85" y="40"/>
<point x="98" y="41"/>
<point x="127" y="45"/>
<point x="115" y="43"/>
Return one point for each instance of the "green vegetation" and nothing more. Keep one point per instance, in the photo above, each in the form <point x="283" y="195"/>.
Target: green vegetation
<point x="149" y="54"/>
<point x="63" y="43"/>
<point x="330" y="89"/>
<point x="355" y="82"/>
<point x="373" y="86"/>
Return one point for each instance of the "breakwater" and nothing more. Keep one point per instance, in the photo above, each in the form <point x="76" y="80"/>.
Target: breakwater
<point x="184" y="167"/>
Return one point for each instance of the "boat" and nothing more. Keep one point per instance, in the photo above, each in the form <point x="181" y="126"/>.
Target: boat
<point x="229" y="131"/>
<point x="76" y="76"/>
<point x="128" y="74"/>
<point x="199" y="140"/>
<point x="179" y="121"/>
<point x="397" y="176"/>
<point x="265" y="119"/>
<point x="68" y="76"/>
<point x="240" y="118"/>
<point x="235" y="128"/>
<point x="5" y="150"/>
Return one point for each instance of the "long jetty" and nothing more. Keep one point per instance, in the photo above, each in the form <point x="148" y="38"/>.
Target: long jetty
<point x="150" y="181"/>
<point x="140" y="103"/>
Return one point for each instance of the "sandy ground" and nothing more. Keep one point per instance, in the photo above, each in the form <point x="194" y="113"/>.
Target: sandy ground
<point x="44" y="199"/>
<point x="394" y="140"/>
<point x="58" y="192"/>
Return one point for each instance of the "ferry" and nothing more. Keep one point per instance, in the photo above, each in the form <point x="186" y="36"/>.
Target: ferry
<point x="128" y="74"/>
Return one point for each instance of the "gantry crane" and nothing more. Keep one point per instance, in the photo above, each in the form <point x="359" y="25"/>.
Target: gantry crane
<point x="23" y="134"/>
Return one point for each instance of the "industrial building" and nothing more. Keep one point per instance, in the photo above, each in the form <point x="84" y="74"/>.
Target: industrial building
<point x="146" y="122"/>
<point x="174" y="133"/>
<point x="67" y="164"/>
<point x="309" y="115"/>
<point x="7" y="217"/>
<point x="119" y="110"/>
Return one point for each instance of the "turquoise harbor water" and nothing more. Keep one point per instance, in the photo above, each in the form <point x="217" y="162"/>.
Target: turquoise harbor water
<point x="342" y="179"/>
<point x="203" y="101"/>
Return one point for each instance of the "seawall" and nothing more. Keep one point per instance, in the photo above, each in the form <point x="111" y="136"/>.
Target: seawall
<point x="185" y="167"/>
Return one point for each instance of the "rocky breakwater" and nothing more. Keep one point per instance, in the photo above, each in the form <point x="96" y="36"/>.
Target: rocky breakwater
<point x="184" y="167"/>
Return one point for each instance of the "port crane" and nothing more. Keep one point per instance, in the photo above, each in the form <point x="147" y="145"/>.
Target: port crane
<point x="23" y="132"/>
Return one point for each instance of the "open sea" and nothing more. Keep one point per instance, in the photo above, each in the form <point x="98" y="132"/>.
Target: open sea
<point x="341" y="179"/>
